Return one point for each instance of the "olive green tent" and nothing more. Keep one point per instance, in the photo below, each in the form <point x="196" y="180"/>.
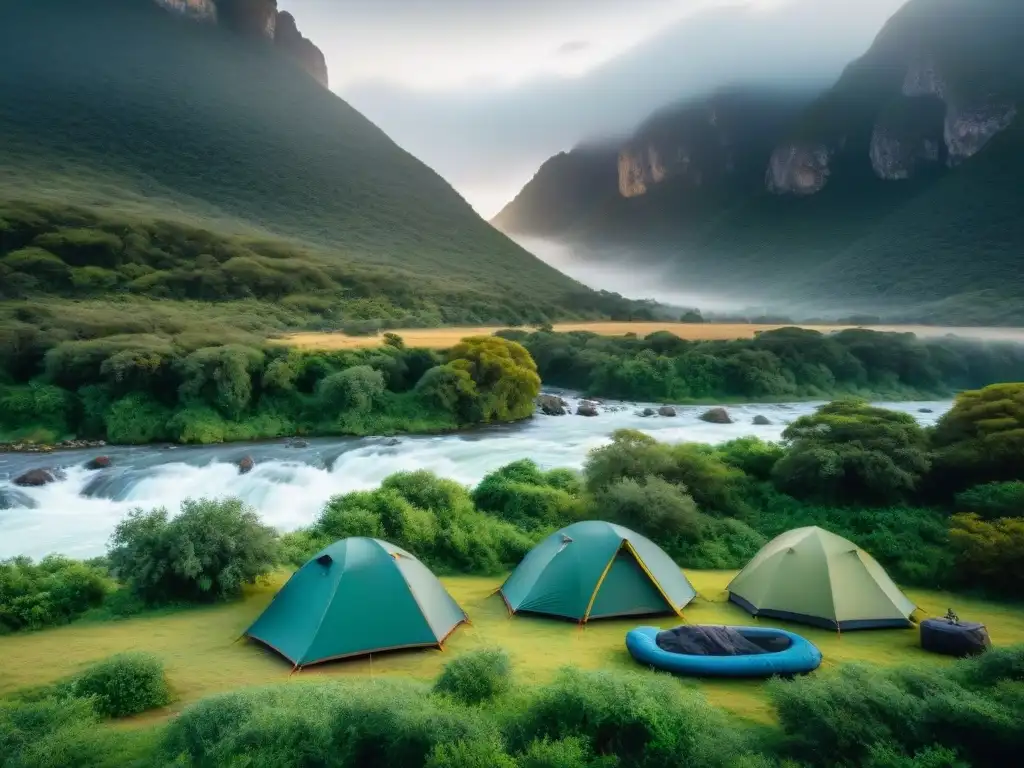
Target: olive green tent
<point x="596" y="570"/>
<point x="816" y="577"/>
<point x="357" y="596"/>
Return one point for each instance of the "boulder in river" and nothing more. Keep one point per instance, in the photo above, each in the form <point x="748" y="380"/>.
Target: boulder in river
<point x="762" y="421"/>
<point x="925" y="410"/>
<point x="245" y="465"/>
<point x="100" y="462"/>
<point x="551" y="405"/>
<point x="391" y="442"/>
<point x="298" y="443"/>
<point x="716" y="416"/>
<point x="586" y="409"/>
<point x="35" y="478"/>
<point x="667" y="410"/>
<point x="647" y="412"/>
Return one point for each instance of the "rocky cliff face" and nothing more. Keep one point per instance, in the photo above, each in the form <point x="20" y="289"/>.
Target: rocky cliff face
<point x="799" y="169"/>
<point x="288" y="38"/>
<point x="257" y="19"/>
<point x="932" y="90"/>
<point x="707" y="142"/>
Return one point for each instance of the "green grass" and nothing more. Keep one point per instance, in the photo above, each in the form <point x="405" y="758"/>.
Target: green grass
<point x="204" y="655"/>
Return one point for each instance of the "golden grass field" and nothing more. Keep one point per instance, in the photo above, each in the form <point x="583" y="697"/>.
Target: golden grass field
<point x="442" y="338"/>
<point x="204" y="655"/>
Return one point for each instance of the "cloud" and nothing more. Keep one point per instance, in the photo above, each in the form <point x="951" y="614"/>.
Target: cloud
<point x="571" y="47"/>
<point x="473" y="89"/>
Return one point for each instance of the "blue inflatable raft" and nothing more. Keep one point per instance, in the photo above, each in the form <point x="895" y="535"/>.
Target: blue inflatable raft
<point x="769" y="651"/>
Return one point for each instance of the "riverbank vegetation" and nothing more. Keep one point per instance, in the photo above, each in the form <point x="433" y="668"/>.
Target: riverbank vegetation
<point x="131" y="389"/>
<point x="782" y="364"/>
<point x="871" y="475"/>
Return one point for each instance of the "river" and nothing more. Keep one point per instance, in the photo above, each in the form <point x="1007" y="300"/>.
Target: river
<point x="289" y="485"/>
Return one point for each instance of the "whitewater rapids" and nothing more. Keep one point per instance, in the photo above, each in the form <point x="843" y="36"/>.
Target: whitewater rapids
<point x="289" y="486"/>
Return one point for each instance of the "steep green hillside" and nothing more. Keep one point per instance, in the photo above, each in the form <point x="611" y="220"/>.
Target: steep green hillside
<point x="896" y="192"/>
<point x="118" y="115"/>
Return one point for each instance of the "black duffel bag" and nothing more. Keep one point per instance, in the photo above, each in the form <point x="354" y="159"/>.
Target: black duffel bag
<point x="965" y="638"/>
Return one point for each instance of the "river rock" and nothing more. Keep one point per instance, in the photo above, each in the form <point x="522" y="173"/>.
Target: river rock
<point x="35" y="478"/>
<point x="551" y="405"/>
<point x="586" y="409"/>
<point x="925" y="410"/>
<point x="246" y="465"/>
<point x="647" y="412"/>
<point x="667" y="410"/>
<point x="100" y="462"/>
<point x="762" y="421"/>
<point x="297" y="443"/>
<point x="716" y="416"/>
<point x="391" y="442"/>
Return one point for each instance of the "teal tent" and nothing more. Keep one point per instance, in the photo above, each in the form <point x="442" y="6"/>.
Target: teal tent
<point x="593" y="570"/>
<point x="357" y="596"/>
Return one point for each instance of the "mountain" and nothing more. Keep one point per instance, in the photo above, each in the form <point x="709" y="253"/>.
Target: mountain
<point x="895" y="192"/>
<point x="118" y="115"/>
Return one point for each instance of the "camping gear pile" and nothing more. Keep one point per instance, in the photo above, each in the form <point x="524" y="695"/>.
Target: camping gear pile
<point x="952" y="637"/>
<point x="723" y="651"/>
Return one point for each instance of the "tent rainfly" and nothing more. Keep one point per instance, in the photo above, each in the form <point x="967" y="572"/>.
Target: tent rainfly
<point x="593" y="570"/>
<point x="355" y="597"/>
<point x="812" y="576"/>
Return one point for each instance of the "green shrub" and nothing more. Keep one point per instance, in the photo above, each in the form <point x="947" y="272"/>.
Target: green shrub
<point x="470" y="754"/>
<point x="354" y="389"/>
<point x="851" y="452"/>
<point x="326" y="723"/>
<point x="51" y="732"/>
<point x="125" y="685"/>
<point x="53" y="591"/>
<point x="476" y="676"/>
<point x="207" y="552"/>
<point x="524" y="495"/>
<point x="989" y="554"/>
<point x="570" y="752"/>
<point x="650" y="506"/>
<point x="645" y="721"/>
<point x="993" y="500"/>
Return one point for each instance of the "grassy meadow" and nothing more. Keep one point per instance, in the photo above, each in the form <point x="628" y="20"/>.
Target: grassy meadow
<point x="204" y="656"/>
<point x="442" y="338"/>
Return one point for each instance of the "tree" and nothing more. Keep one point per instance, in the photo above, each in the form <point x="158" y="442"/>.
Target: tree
<point x="981" y="439"/>
<point x="394" y="340"/>
<point x="487" y="378"/>
<point x="221" y="377"/>
<point x="206" y="553"/>
<point x="652" y="507"/>
<point x="851" y="452"/>
<point x="989" y="554"/>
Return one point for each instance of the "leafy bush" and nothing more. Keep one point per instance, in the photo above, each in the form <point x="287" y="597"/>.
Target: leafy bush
<point x="208" y="552"/>
<point x="650" y="506"/>
<point x="354" y="389"/>
<point x="849" y="451"/>
<point x="326" y="723"/>
<point x="52" y="732"/>
<point x="524" y="495"/>
<point x="53" y="591"/>
<point x="843" y="718"/>
<point x="989" y="554"/>
<point x="570" y="752"/>
<point x="124" y="685"/>
<point x="644" y="721"/>
<point x="981" y="439"/>
<point x="433" y="518"/>
<point x="476" y="676"/>
<point x="993" y="500"/>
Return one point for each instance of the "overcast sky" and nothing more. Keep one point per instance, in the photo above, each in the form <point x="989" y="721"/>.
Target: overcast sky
<point x="484" y="91"/>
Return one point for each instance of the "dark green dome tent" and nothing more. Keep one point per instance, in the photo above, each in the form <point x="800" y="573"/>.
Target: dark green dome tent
<point x="357" y="596"/>
<point x="596" y="570"/>
<point x="812" y="576"/>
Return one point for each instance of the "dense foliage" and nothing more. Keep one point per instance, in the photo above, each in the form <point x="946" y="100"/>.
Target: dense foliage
<point x="969" y="713"/>
<point x="53" y="591"/>
<point x="786" y="363"/>
<point x="849" y="451"/>
<point x="476" y="676"/>
<point x="124" y="685"/>
<point x="145" y="388"/>
<point x="207" y="552"/>
<point x="433" y="518"/>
